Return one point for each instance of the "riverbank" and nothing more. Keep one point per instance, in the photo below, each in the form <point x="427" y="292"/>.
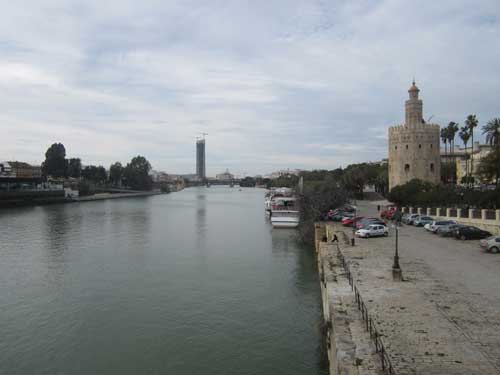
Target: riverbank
<point x="442" y="317"/>
<point x="58" y="200"/>
<point x="103" y="196"/>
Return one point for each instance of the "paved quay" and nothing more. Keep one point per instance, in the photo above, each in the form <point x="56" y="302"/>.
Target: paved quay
<point x="444" y="317"/>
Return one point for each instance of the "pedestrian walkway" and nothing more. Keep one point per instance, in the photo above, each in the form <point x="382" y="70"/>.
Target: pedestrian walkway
<point x="432" y="323"/>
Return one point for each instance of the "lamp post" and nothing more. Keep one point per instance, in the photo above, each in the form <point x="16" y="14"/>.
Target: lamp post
<point x="353" y="241"/>
<point x="396" y="269"/>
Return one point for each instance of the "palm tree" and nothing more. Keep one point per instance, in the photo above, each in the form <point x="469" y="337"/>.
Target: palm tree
<point x="452" y="132"/>
<point x="492" y="131"/>
<point x="444" y="138"/>
<point x="471" y="122"/>
<point x="465" y="136"/>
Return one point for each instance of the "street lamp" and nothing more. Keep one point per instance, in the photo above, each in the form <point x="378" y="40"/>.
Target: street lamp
<point x="396" y="269"/>
<point x="353" y="229"/>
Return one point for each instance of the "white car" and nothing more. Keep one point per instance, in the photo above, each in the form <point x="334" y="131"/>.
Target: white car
<point x="434" y="226"/>
<point x="491" y="244"/>
<point x="373" y="230"/>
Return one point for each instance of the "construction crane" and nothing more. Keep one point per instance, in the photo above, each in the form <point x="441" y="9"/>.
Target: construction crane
<point x="204" y="134"/>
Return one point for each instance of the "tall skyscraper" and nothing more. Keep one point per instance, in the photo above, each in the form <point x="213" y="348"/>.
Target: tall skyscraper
<point x="200" y="159"/>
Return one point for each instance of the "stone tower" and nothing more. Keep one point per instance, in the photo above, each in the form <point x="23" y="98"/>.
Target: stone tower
<point x="414" y="147"/>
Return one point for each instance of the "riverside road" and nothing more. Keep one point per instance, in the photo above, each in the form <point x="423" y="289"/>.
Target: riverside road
<point x="462" y="264"/>
<point x="445" y="317"/>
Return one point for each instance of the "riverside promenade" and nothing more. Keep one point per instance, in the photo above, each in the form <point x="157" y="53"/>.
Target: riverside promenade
<point x="442" y="318"/>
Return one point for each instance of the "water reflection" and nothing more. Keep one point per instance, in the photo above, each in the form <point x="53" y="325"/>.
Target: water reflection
<point x="56" y="226"/>
<point x="201" y="214"/>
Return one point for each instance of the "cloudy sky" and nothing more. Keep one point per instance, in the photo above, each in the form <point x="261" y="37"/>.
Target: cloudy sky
<point x="275" y="83"/>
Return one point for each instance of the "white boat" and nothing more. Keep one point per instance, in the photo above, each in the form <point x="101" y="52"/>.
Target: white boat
<point x="285" y="218"/>
<point x="284" y="212"/>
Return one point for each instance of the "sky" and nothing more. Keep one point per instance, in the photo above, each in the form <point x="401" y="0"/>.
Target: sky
<point x="276" y="84"/>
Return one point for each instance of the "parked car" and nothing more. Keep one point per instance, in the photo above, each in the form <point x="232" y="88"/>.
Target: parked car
<point x="409" y="219"/>
<point x="422" y="220"/>
<point x="350" y="221"/>
<point x="336" y="215"/>
<point x="448" y="230"/>
<point x="433" y="227"/>
<point x="491" y="244"/>
<point x="404" y="217"/>
<point x="373" y="230"/>
<point x="388" y="213"/>
<point x="471" y="233"/>
<point x="350" y="208"/>
<point x="364" y="223"/>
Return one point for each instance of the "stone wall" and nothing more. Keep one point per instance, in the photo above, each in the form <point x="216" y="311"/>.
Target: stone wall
<point x="485" y="219"/>
<point x="350" y="348"/>
<point x="414" y="153"/>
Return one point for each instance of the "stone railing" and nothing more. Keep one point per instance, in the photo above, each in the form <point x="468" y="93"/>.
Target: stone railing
<point x="483" y="218"/>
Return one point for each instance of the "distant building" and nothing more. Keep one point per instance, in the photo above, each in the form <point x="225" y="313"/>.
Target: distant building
<point x="461" y="157"/>
<point x="284" y="172"/>
<point x="224" y="176"/>
<point x="414" y="146"/>
<point x="18" y="169"/>
<point x="200" y="159"/>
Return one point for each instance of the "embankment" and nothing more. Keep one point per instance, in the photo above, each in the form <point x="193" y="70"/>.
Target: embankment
<point x="420" y="324"/>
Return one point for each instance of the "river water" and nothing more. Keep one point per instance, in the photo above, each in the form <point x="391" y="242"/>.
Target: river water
<point x="194" y="282"/>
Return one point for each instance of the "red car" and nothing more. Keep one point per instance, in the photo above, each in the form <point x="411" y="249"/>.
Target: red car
<point x="387" y="214"/>
<point x="350" y="221"/>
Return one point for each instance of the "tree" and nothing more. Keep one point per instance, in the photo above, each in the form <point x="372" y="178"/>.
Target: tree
<point x="101" y="175"/>
<point x="471" y="123"/>
<point x="490" y="165"/>
<point x="74" y="168"/>
<point x="248" y="182"/>
<point x="116" y="173"/>
<point x="55" y="163"/>
<point x="89" y="173"/>
<point x="95" y="174"/>
<point x="444" y="137"/>
<point x="489" y="168"/>
<point x="136" y="174"/>
<point x="465" y="136"/>
<point x="492" y="131"/>
<point x="315" y="201"/>
<point x="452" y="132"/>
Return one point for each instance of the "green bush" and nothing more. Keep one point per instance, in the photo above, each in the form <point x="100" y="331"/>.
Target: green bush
<point x="426" y="194"/>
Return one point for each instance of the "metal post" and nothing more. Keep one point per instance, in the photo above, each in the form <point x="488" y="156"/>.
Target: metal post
<point x="396" y="254"/>
<point x="353" y="241"/>
<point x="396" y="269"/>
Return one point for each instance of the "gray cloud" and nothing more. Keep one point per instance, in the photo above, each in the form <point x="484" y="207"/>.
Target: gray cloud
<point x="287" y="83"/>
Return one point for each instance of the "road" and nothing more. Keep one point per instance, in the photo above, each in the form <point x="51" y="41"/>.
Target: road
<point x="462" y="264"/>
<point x="445" y="317"/>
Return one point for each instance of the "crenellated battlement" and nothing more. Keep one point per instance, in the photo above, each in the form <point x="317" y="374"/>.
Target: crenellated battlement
<point x="414" y="146"/>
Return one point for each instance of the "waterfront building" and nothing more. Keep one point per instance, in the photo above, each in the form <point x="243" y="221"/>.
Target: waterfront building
<point x="414" y="147"/>
<point x="18" y="169"/>
<point x="224" y="176"/>
<point x="461" y="157"/>
<point x="200" y="159"/>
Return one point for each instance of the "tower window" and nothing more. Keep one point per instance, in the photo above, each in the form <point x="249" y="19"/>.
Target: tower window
<point x="419" y="146"/>
<point x="431" y="145"/>
<point x="407" y="168"/>
<point x="395" y="147"/>
<point x="407" y="147"/>
<point x="432" y="166"/>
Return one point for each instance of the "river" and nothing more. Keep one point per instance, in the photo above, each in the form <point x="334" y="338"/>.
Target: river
<point x="194" y="282"/>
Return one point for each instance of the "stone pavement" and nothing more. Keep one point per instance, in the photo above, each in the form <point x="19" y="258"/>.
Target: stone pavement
<point x="429" y="324"/>
<point x="351" y="350"/>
